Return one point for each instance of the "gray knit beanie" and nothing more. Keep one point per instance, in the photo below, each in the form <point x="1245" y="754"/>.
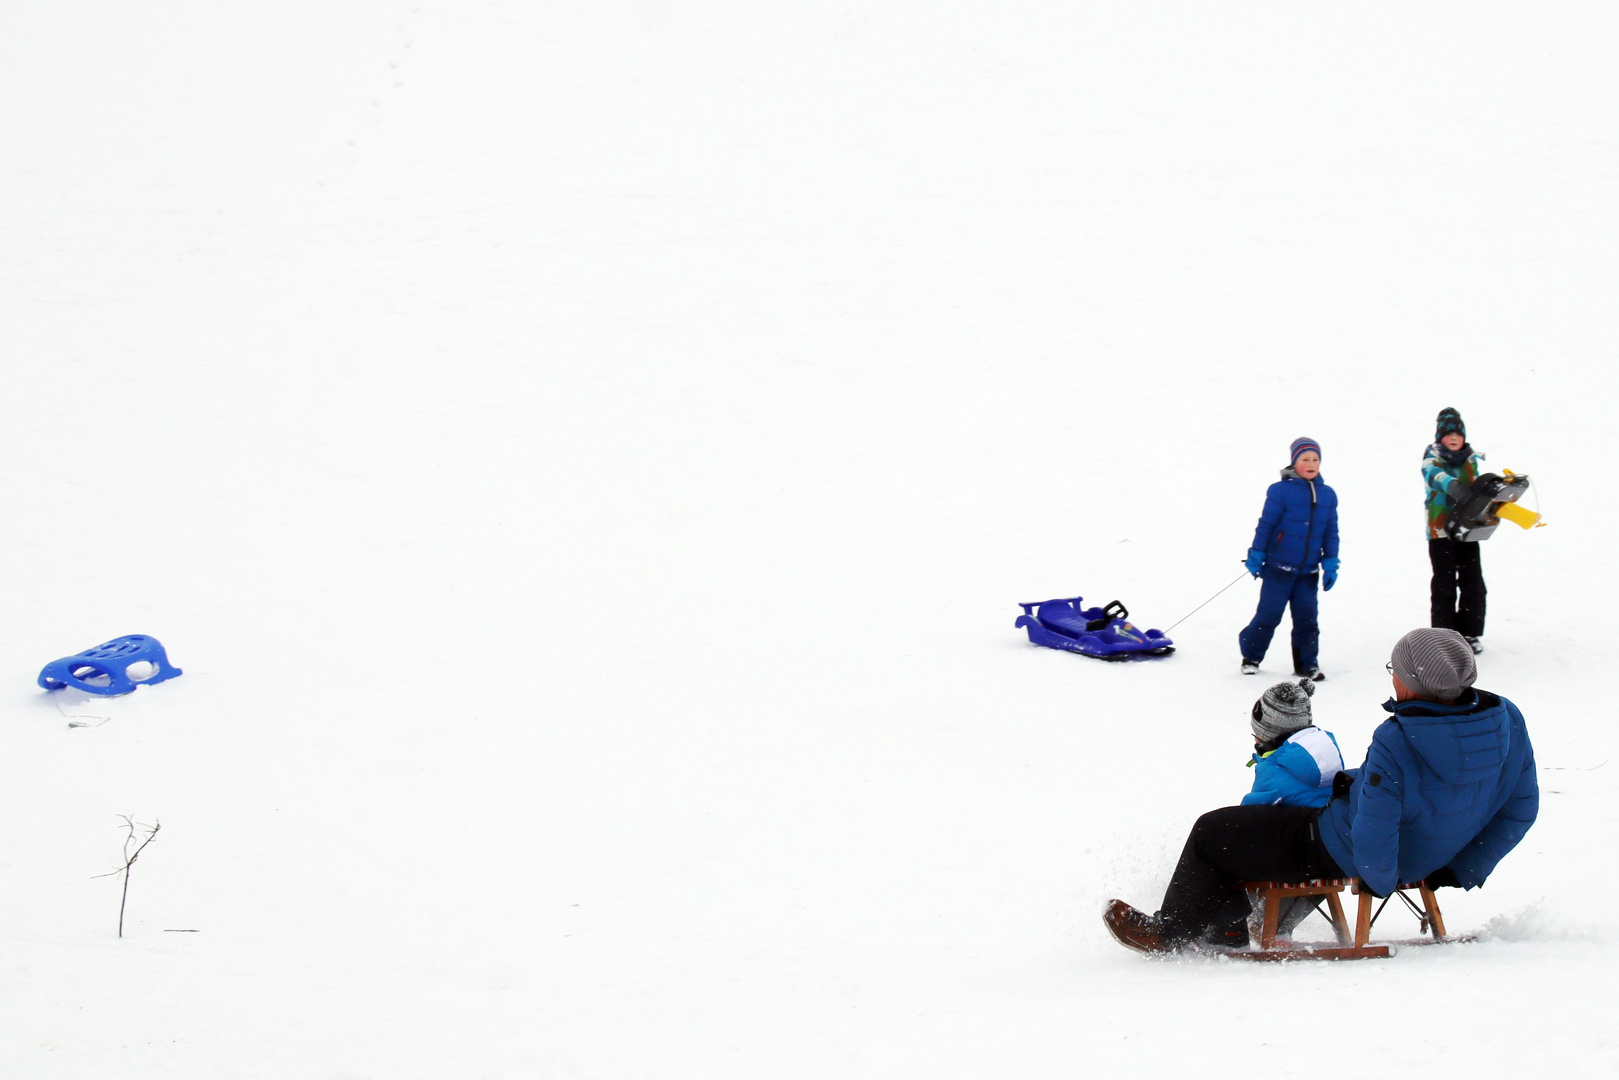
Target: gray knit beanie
<point x="1436" y="664"/>
<point x="1282" y="710"/>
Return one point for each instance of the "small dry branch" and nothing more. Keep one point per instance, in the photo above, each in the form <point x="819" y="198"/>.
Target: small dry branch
<point x="132" y="851"/>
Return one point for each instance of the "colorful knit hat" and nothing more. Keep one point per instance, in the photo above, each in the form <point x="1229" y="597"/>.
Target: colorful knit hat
<point x="1450" y="422"/>
<point x="1282" y="710"/>
<point x="1300" y="445"/>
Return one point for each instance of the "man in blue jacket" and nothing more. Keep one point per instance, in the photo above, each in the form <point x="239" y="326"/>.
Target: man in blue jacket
<point x="1447" y="789"/>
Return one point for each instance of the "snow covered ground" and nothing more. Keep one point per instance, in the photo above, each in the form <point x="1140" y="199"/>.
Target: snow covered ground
<point x="586" y="456"/>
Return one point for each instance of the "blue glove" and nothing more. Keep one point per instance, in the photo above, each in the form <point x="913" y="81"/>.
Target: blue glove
<point x="1255" y="562"/>
<point x="1329" y="573"/>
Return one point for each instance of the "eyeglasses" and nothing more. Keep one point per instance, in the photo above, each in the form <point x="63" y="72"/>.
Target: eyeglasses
<point x="1390" y="667"/>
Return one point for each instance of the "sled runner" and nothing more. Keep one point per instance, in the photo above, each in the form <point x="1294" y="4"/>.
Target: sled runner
<point x="1102" y="632"/>
<point x="1347" y="947"/>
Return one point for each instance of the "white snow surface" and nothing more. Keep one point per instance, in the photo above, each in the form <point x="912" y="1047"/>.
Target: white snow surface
<point x="586" y="457"/>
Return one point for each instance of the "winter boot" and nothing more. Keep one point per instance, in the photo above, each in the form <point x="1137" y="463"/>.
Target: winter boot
<point x="1135" y="929"/>
<point x="1250" y="667"/>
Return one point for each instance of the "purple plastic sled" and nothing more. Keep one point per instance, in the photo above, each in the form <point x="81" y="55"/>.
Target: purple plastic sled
<point x="1100" y="632"/>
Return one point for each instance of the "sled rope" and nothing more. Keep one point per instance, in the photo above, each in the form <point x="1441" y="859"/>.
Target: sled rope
<point x="1420" y="913"/>
<point x="1203" y="605"/>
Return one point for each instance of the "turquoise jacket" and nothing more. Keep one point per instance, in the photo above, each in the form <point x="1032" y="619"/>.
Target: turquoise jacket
<point x="1297" y="773"/>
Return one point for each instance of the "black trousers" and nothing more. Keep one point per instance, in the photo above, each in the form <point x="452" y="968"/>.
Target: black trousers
<point x="1240" y="843"/>
<point x="1456" y="569"/>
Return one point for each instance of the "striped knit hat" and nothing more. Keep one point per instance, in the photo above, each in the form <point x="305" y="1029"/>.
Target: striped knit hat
<point x="1282" y="710"/>
<point x="1300" y="445"/>
<point x="1435" y="664"/>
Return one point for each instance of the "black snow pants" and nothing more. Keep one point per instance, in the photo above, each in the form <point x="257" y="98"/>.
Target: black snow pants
<point x="1240" y="843"/>
<point x="1456" y="568"/>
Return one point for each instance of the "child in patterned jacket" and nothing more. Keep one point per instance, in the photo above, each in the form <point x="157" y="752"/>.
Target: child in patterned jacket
<point x="1457" y="591"/>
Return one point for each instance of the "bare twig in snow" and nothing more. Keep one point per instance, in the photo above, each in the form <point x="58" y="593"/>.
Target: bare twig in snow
<point x="130" y="825"/>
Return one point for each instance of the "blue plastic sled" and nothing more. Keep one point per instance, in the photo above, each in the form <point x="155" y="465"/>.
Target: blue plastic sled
<point x="104" y="669"/>
<point x="1100" y="632"/>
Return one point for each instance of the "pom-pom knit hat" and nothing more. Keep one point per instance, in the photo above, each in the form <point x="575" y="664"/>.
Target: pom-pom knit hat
<point x="1301" y="445"/>
<point x="1437" y="664"/>
<point x="1282" y="710"/>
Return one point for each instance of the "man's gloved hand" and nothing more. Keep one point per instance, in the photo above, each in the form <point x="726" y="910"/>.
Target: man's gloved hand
<point x="1329" y="573"/>
<point x="1255" y="562"/>
<point x="1442" y="878"/>
<point x="1457" y="491"/>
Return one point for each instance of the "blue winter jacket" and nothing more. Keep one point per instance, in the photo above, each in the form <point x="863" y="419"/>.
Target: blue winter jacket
<point x="1299" y="525"/>
<point x="1443" y="785"/>
<point x="1297" y="773"/>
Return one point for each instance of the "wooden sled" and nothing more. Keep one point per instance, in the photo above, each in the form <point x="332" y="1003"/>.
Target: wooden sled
<point x="1356" y="946"/>
<point x="1430" y="920"/>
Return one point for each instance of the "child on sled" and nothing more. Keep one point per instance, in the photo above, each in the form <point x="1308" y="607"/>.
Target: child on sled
<point x="1294" y="764"/>
<point x="1294" y="761"/>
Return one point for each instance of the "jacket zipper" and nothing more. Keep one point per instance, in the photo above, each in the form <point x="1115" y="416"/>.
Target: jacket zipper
<point x="1309" y="527"/>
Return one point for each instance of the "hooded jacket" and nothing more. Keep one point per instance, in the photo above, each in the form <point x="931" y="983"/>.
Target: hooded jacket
<point x="1443" y="785"/>
<point x="1299" y="525"/>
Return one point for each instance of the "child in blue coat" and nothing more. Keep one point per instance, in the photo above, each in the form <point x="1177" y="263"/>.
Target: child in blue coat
<point x="1295" y="548"/>
<point x="1294" y="761"/>
<point x="1294" y="764"/>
